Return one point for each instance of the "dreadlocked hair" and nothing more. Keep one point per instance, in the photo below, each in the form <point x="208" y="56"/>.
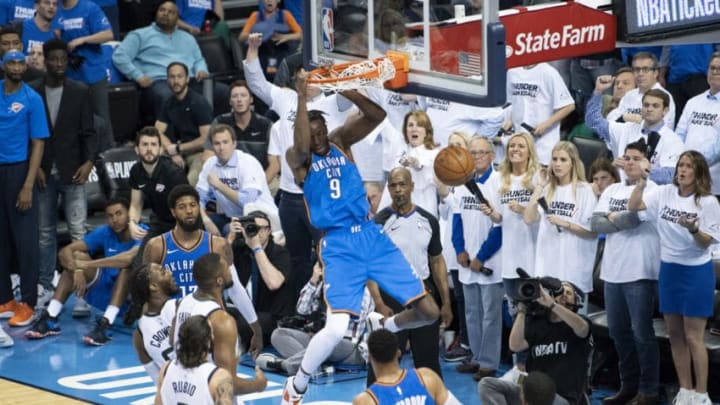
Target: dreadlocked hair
<point x="139" y="288"/>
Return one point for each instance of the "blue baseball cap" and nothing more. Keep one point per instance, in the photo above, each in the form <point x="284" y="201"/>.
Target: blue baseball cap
<point x="13" y="55"/>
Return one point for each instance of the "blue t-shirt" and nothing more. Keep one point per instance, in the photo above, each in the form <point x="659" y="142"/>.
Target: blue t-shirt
<point x="31" y="34"/>
<point x="103" y="240"/>
<point x="193" y="11"/>
<point x="86" y="18"/>
<point x="22" y="118"/>
<point x="23" y="9"/>
<point x="334" y="191"/>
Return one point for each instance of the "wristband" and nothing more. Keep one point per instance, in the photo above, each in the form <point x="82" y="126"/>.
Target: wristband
<point x="78" y="270"/>
<point x="257" y="250"/>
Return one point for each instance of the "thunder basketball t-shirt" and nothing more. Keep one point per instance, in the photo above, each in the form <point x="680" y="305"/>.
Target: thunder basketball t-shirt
<point x="563" y="254"/>
<point x="536" y="93"/>
<point x="520" y="236"/>
<point x="697" y="126"/>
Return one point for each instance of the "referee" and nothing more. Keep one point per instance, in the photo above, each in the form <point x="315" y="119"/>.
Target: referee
<point x="416" y="233"/>
<point x="24" y="127"/>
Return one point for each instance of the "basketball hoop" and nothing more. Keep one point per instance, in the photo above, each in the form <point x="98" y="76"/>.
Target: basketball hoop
<point x="390" y="71"/>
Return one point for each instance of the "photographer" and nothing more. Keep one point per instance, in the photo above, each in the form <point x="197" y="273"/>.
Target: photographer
<point x="559" y="344"/>
<point x="266" y="265"/>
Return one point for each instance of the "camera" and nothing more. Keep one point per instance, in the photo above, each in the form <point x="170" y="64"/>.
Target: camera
<point x="527" y="289"/>
<point x="248" y="224"/>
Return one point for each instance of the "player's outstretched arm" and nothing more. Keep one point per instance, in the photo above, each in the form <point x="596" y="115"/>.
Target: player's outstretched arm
<point x="436" y="388"/>
<point x="301" y="135"/>
<point x="358" y="126"/>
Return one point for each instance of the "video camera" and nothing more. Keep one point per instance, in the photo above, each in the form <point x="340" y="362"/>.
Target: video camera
<point x="527" y="288"/>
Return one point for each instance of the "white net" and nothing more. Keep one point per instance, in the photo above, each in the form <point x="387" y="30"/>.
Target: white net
<point x="358" y="75"/>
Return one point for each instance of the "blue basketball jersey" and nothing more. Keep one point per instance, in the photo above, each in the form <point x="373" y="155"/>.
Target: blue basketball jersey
<point x="180" y="260"/>
<point x="409" y="390"/>
<point x="334" y="191"/>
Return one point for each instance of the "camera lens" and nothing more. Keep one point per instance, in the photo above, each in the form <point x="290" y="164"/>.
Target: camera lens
<point x="528" y="290"/>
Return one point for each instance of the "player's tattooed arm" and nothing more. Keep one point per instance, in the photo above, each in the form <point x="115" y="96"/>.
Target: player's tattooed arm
<point x="224" y="393"/>
<point x="153" y="252"/>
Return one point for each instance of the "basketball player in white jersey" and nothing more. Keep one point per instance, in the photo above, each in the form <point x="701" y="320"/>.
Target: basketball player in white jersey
<point x="152" y="285"/>
<point x="212" y="275"/>
<point x="191" y="378"/>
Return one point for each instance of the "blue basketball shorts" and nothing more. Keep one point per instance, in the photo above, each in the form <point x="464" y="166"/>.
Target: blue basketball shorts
<point x="99" y="291"/>
<point x="352" y="256"/>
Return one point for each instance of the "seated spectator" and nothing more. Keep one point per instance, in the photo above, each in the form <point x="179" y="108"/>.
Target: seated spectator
<point x="291" y="342"/>
<point x="183" y="122"/>
<point x="193" y="15"/>
<point x="554" y="322"/>
<point x="602" y="174"/>
<point x="36" y="58"/>
<point x="145" y="53"/>
<point x="103" y="282"/>
<point x="279" y="31"/>
<point x="252" y="130"/>
<point x="192" y="367"/>
<point x="234" y="179"/>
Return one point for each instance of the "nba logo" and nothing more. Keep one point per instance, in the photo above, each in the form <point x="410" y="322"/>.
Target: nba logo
<point x="328" y="30"/>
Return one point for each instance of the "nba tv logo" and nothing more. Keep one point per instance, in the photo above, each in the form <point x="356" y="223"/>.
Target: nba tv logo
<point x="328" y="29"/>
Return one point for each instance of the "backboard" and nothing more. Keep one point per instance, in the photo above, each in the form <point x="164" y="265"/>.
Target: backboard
<point x="452" y="57"/>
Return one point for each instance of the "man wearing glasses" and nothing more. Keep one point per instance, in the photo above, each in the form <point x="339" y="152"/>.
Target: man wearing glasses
<point x="267" y="266"/>
<point x="645" y="69"/>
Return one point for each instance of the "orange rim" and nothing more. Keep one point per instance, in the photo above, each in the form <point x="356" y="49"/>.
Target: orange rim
<point x="323" y="72"/>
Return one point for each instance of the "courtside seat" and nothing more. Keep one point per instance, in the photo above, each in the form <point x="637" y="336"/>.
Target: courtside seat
<point x="219" y="59"/>
<point x="124" y="100"/>
<point x="590" y="149"/>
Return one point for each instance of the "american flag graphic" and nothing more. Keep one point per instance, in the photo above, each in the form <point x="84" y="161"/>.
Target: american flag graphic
<point x="469" y="64"/>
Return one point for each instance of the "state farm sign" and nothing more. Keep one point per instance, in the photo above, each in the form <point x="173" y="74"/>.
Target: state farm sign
<point x="532" y="35"/>
<point x="556" y="32"/>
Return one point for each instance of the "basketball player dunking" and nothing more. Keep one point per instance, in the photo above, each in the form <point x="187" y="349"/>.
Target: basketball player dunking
<point x="178" y="249"/>
<point x="354" y="250"/>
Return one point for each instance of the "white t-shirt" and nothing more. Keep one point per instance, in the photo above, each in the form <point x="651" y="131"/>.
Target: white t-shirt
<point x="629" y="255"/>
<point x="536" y="93"/>
<point x="393" y="104"/>
<point x="696" y="127"/>
<point x="446" y="209"/>
<point x="447" y="117"/>
<point x="563" y="254"/>
<point x="677" y="245"/>
<point x="632" y="103"/>
<point x="516" y="234"/>
<point x="476" y="227"/>
<point x="667" y="151"/>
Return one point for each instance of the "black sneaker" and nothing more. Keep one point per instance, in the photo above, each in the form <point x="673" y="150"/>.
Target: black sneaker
<point x="98" y="336"/>
<point x="44" y="326"/>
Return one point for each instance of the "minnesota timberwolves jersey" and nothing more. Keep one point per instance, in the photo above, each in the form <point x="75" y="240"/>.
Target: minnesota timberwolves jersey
<point x="180" y="260"/>
<point x="410" y="390"/>
<point x="187" y="385"/>
<point x="155" y="334"/>
<point x="334" y="191"/>
<point x="189" y="306"/>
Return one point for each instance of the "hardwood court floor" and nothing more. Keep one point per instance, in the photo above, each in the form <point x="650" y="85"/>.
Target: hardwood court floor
<point x="21" y="394"/>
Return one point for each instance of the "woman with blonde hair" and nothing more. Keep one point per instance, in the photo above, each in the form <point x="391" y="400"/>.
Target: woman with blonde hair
<point x="565" y="243"/>
<point x="687" y="217"/>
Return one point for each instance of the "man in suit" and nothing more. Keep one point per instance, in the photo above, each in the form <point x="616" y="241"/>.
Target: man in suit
<point x="68" y="157"/>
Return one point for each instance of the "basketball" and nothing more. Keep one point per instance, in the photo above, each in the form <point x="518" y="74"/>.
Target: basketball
<point x="454" y="166"/>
